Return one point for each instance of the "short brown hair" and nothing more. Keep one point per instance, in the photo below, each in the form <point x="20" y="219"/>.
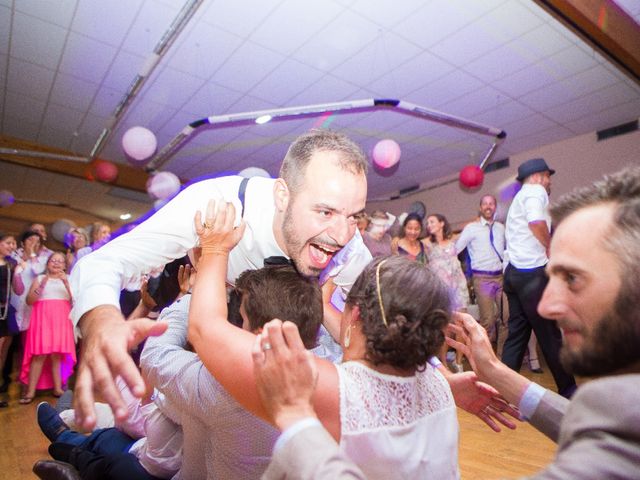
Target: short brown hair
<point x="622" y="191"/>
<point x="279" y="291"/>
<point x="295" y="162"/>
<point x="417" y="309"/>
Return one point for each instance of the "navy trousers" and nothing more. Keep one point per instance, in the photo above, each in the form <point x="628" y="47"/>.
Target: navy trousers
<point x="524" y="288"/>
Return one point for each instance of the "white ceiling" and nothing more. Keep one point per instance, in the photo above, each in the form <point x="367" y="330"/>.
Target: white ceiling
<point x="65" y="65"/>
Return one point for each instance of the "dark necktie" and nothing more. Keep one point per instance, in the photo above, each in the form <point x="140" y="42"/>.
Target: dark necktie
<point x="491" y="241"/>
<point x="277" y="260"/>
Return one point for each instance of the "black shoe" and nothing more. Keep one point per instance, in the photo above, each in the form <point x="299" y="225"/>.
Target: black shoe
<point x="54" y="470"/>
<point x="61" y="451"/>
<point x="536" y="370"/>
<point x="50" y="422"/>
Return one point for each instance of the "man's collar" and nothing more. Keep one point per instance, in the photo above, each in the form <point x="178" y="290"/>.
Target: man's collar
<point x="483" y="221"/>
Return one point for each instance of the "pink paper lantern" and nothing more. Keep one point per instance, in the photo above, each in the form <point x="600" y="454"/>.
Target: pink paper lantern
<point x="471" y="176"/>
<point x="105" y="171"/>
<point x="386" y="153"/>
<point x="163" y="185"/>
<point x="6" y="198"/>
<point x="139" y="144"/>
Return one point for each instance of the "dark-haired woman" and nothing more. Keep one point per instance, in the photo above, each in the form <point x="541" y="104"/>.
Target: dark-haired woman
<point x="444" y="263"/>
<point x="392" y="412"/>
<point x="409" y="242"/>
<point x="8" y="324"/>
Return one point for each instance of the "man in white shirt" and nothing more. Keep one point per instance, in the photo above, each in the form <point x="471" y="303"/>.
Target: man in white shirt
<point x="307" y="215"/>
<point x="528" y="238"/>
<point x="484" y="241"/>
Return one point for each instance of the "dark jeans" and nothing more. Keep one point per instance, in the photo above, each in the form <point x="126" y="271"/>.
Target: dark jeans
<point x="94" y="466"/>
<point x="524" y="288"/>
<point x="103" y="441"/>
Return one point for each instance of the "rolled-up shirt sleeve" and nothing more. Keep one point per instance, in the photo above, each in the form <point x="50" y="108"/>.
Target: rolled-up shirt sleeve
<point x="535" y="209"/>
<point x="168" y="234"/>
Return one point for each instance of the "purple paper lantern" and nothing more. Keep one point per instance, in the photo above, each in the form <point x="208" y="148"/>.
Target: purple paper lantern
<point x="6" y="198"/>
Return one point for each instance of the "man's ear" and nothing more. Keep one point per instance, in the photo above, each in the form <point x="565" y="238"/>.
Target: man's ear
<point x="281" y="194"/>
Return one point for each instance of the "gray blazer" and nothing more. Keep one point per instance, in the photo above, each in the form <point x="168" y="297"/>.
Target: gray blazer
<point x="312" y="454"/>
<point x="598" y="435"/>
<point x="598" y="431"/>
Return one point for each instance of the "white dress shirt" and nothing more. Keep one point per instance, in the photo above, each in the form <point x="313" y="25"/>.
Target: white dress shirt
<point x="529" y="205"/>
<point x="98" y="277"/>
<point x="476" y="239"/>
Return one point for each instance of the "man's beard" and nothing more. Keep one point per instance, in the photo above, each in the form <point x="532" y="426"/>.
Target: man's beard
<point x="613" y="344"/>
<point x="295" y="245"/>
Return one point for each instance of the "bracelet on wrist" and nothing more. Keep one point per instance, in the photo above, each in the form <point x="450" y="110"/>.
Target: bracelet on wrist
<point x="214" y="250"/>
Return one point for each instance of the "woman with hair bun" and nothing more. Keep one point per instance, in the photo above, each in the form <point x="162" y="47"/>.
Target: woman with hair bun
<point x="392" y="411"/>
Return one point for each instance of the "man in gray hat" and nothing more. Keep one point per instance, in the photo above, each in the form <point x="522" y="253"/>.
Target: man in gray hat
<point x="528" y="238"/>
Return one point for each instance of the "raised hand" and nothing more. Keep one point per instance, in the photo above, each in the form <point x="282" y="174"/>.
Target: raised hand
<point x="106" y="342"/>
<point x="482" y="400"/>
<point x="217" y="233"/>
<point x="472" y="340"/>
<point x="286" y="373"/>
<point x="186" y="278"/>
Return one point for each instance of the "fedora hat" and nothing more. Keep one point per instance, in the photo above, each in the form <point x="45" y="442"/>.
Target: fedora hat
<point x="532" y="166"/>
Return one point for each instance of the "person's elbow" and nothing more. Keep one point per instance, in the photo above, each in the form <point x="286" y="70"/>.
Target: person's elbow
<point x="194" y="331"/>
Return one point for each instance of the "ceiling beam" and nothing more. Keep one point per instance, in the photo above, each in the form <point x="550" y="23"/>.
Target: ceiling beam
<point x="128" y="176"/>
<point x="605" y="26"/>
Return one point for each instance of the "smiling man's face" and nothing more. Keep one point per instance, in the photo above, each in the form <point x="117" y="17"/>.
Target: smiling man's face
<point x="321" y="217"/>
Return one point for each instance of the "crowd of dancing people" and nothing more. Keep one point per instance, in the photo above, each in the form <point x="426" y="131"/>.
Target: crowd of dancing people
<point x="372" y="322"/>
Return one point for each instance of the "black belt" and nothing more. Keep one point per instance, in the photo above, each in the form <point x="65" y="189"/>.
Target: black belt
<point x="493" y="273"/>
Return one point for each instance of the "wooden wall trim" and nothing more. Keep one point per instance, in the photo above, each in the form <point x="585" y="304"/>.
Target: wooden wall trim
<point x="128" y="177"/>
<point x="605" y="26"/>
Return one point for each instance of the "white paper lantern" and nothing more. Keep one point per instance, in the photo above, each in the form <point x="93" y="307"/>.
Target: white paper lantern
<point x="386" y="153"/>
<point x="158" y="204"/>
<point x="163" y="185"/>
<point x="139" y="144"/>
<point x="254" y="172"/>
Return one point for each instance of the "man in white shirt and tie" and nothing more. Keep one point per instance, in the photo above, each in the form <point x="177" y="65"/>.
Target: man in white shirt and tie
<point x="484" y="241"/>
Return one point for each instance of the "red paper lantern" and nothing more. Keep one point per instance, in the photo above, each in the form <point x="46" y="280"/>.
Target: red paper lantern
<point x="105" y="171"/>
<point x="471" y="176"/>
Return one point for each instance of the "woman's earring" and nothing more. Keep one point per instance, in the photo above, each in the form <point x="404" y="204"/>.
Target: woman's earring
<point x="347" y="337"/>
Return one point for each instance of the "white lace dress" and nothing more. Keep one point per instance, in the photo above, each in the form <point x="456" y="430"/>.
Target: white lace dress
<point x="398" y="427"/>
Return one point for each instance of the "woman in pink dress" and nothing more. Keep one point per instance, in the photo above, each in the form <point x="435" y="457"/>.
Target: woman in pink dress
<point x="49" y="350"/>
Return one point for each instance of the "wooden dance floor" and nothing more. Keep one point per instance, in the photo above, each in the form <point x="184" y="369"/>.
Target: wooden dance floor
<point x="483" y="454"/>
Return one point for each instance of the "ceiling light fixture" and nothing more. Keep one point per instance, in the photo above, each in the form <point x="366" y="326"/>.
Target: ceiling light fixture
<point x="125" y="216"/>
<point x="263" y="119"/>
